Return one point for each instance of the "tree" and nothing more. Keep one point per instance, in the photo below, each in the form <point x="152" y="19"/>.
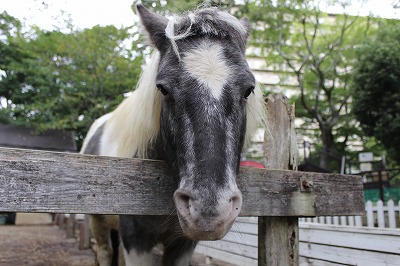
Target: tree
<point x="302" y="43"/>
<point x="376" y="88"/>
<point x="10" y="28"/>
<point x="66" y="80"/>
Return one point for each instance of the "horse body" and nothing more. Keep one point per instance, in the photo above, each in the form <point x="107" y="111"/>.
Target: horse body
<point x="194" y="107"/>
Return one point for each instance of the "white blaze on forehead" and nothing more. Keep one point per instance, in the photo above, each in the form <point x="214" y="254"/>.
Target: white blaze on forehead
<point x="207" y="65"/>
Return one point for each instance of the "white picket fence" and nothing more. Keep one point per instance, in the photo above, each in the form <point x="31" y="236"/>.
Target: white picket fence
<point x="377" y="215"/>
<point x="371" y="240"/>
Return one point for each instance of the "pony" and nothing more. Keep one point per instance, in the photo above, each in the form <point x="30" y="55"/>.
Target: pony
<point x="195" y="106"/>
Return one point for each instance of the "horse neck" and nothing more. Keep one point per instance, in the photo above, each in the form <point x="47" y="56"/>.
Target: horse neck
<point x="155" y="150"/>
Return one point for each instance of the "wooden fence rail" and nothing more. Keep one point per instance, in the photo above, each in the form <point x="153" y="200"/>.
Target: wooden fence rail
<point x="37" y="181"/>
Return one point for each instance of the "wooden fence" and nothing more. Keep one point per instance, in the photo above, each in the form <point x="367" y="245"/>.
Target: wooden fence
<point x="34" y="181"/>
<point x="377" y="215"/>
<point x="347" y="245"/>
<point x="319" y="244"/>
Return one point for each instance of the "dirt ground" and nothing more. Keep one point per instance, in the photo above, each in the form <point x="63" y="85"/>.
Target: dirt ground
<point x="40" y="245"/>
<point x="46" y="245"/>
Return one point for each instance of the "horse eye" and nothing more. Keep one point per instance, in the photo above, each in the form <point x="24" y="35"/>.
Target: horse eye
<point x="162" y="89"/>
<point x="248" y="92"/>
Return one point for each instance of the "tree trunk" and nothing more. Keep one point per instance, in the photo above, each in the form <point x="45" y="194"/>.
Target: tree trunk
<point x="328" y="148"/>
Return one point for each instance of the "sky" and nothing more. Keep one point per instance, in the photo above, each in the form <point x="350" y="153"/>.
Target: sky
<point x="84" y="13"/>
<point x="88" y="13"/>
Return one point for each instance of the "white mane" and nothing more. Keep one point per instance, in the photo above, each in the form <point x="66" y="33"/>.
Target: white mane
<point x="136" y="122"/>
<point x="256" y="114"/>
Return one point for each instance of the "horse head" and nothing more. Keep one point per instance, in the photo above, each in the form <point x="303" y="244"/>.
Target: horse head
<point x="206" y="85"/>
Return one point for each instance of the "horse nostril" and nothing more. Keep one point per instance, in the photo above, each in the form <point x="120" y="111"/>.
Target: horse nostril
<point x="182" y="200"/>
<point x="236" y="202"/>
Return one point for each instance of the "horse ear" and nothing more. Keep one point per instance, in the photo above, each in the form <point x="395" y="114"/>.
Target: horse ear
<point x="154" y="25"/>
<point x="246" y="24"/>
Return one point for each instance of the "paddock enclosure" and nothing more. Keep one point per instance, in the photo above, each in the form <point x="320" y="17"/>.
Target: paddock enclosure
<point x="37" y="181"/>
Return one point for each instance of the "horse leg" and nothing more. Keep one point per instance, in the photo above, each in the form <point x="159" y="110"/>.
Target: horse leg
<point x="136" y="258"/>
<point x="179" y="252"/>
<point x="138" y="239"/>
<point x="101" y="226"/>
<point x="121" y="258"/>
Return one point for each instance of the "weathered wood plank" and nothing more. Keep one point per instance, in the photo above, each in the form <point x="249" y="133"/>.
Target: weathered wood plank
<point x="37" y="181"/>
<point x="278" y="237"/>
<point x="225" y="256"/>
<point x="381" y="240"/>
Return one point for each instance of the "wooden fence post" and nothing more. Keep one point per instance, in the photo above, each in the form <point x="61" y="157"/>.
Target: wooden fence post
<point x="71" y="226"/>
<point x="278" y="237"/>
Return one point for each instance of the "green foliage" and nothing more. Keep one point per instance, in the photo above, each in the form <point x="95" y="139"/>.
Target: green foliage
<point x="56" y="80"/>
<point x="376" y="84"/>
<point x="9" y="26"/>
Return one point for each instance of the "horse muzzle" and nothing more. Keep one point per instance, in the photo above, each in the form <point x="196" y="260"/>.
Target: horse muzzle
<point x="202" y="218"/>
